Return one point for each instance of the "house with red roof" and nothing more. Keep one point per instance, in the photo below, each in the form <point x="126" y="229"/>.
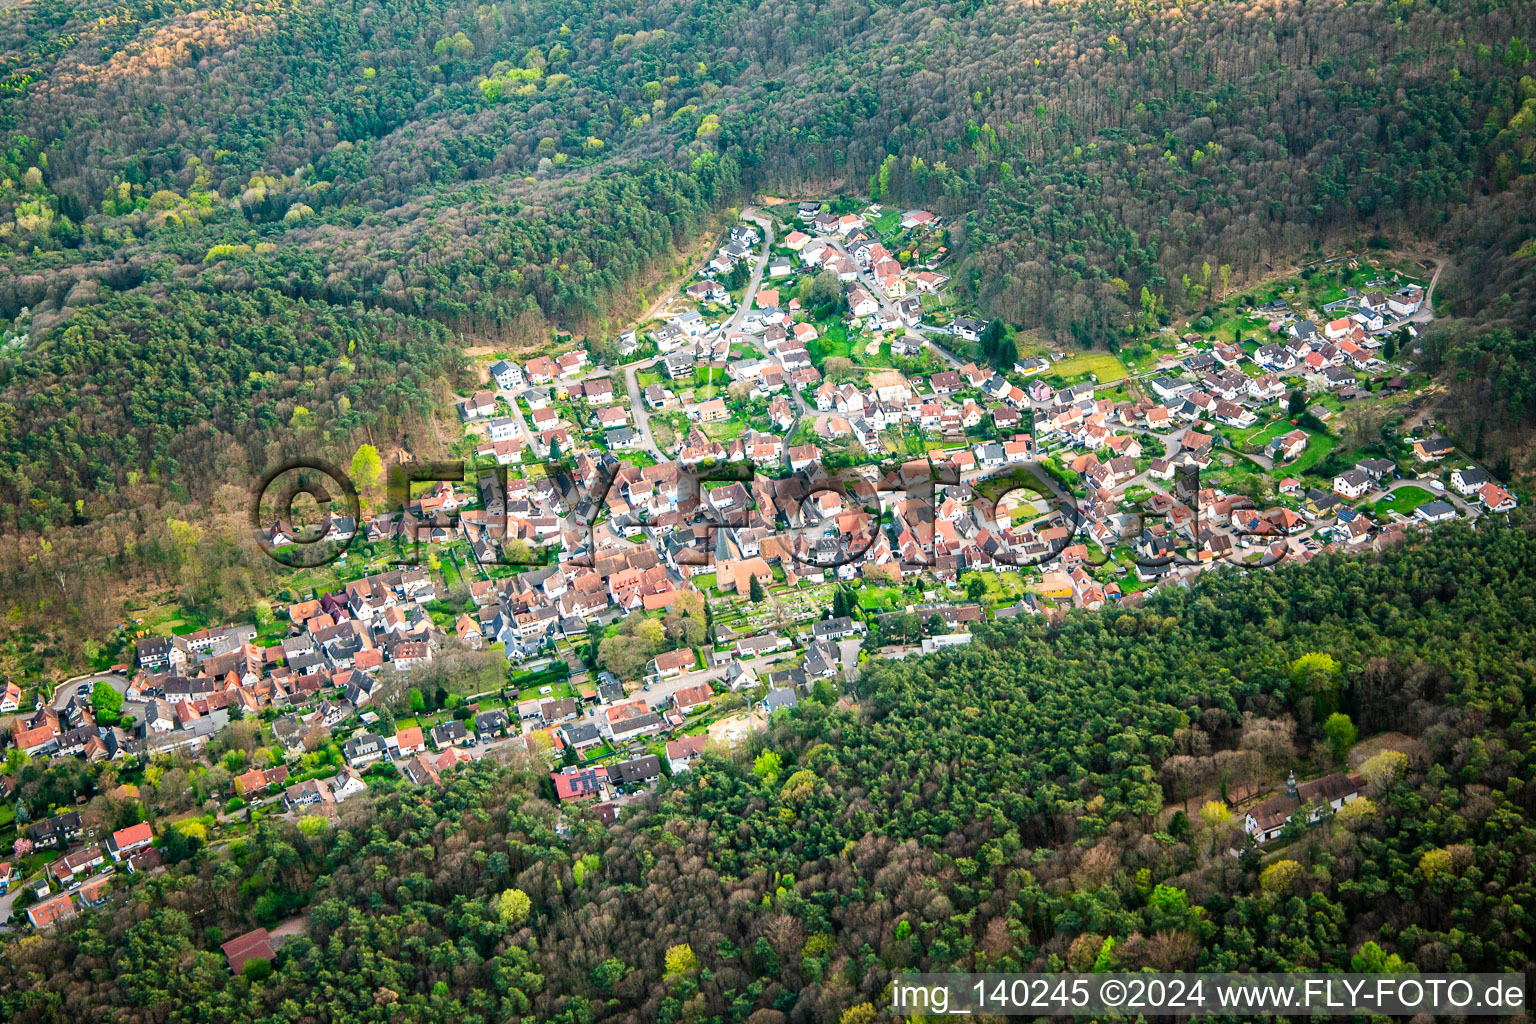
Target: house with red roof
<point x="690" y="697"/>
<point x="254" y="945"/>
<point x="409" y="741"/>
<point x="127" y="840"/>
<point x="1496" y="498"/>
<point x="51" y="911"/>
<point x="578" y="783"/>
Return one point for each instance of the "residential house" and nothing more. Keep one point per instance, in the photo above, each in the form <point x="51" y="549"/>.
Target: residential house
<point x="1311" y="800"/>
<point x="126" y="841"/>
<point x="450" y="734"/>
<point x="779" y="700"/>
<point x="363" y="749"/>
<point x="670" y="663"/>
<point x="682" y="753"/>
<point x="636" y="772"/>
<point x="1468" y="480"/>
<point x="409" y="741"/>
<point x="1351" y="484"/>
<point x="51" y="911"/>
<point x="578" y="783"/>
<point x="1435" y="512"/>
<point x="1432" y="449"/>
<point x="1495" y="498"/>
<point x="253" y="945"/>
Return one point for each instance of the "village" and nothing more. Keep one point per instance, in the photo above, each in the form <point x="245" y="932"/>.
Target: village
<point x="810" y="454"/>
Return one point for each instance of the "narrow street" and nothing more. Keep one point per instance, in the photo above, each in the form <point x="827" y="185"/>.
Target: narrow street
<point x="637" y="409"/>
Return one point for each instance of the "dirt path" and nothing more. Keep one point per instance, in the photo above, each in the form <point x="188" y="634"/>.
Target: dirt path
<point x="295" y="925"/>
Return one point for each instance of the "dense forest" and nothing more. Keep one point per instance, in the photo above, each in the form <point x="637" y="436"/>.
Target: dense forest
<point x="1048" y="798"/>
<point x="507" y="169"/>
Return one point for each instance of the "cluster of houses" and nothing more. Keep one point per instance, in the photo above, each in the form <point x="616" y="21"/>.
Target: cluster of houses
<point x="83" y="872"/>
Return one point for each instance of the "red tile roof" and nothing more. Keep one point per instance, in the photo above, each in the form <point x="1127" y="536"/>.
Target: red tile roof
<point x="582" y="784"/>
<point x="250" y="946"/>
<point x="133" y="835"/>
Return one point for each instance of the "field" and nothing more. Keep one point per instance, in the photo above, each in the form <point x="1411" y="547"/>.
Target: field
<point x="725" y="430"/>
<point x="888" y="223"/>
<point x="1105" y="366"/>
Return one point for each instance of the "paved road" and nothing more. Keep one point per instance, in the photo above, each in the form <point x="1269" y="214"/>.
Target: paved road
<point x="760" y="265"/>
<point x="6" y="901"/>
<point x="517" y="414"/>
<point x="637" y="409"/>
<point x="68" y="688"/>
<point x="642" y="416"/>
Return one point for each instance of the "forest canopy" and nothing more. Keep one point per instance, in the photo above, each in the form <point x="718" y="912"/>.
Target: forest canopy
<point x="509" y="169"/>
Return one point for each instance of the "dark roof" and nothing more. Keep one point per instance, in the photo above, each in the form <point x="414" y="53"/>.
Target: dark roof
<point x="639" y="769"/>
<point x="1329" y="788"/>
<point x="778" y="699"/>
<point x="636" y="724"/>
<point x="493" y="719"/>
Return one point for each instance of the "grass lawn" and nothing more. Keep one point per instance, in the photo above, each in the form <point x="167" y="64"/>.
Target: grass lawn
<point x="706" y="375"/>
<point x="1002" y="588"/>
<point x="833" y="342"/>
<point x="725" y="430"/>
<point x="645" y="378"/>
<point x="1145" y="356"/>
<point x="880" y="598"/>
<point x="1261" y="434"/>
<point x="703" y="580"/>
<point x="558" y="691"/>
<point x="1329" y="292"/>
<point x="878" y="360"/>
<point x="1405" y="500"/>
<point x="932" y="303"/>
<point x="1104" y="365"/>
<point x="1318" y="448"/>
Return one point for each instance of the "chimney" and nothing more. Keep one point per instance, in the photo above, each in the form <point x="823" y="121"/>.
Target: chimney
<point x="1290" y="785"/>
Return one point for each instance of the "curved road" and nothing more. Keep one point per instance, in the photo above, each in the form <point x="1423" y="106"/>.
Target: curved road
<point x="69" y="687"/>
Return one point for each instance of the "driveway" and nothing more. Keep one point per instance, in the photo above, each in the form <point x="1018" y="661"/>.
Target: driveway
<point x="1467" y="509"/>
<point x="5" y="904"/>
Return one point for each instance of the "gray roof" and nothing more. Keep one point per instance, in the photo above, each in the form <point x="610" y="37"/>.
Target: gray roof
<point x="581" y="732"/>
<point x="779" y="699"/>
<point x="638" y="769"/>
